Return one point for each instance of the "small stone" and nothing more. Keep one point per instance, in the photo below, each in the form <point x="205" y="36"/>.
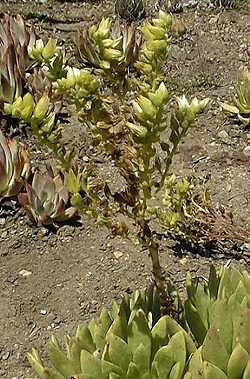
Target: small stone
<point x="43" y="311"/>
<point x="118" y="254"/>
<point x="85" y="159"/>
<point x="213" y="143"/>
<point x="183" y="261"/>
<point x="4" y="234"/>
<point x="25" y="273"/>
<point x="223" y="135"/>
<point x="5" y="356"/>
<point x="2" y="221"/>
<point x="246" y="151"/>
<point x="245" y="247"/>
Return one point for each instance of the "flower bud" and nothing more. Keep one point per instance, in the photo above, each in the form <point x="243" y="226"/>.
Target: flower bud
<point x="153" y="32"/>
<point x="36" y="51"/>
<point x="41" y="108"/>
<point x="138" y="130"/>
<point x="144" y="67"/>
<point x="103" y="29"/>
<point x="148" y="109"/>
<point x="17" y="107"/>
<point x="49" y="50"/>
<point x="111" y="54"/>
<point x="73" y="182"/>
<point x="160" y="96"/>
<point x="76" y="200"/>
<point x="7" y="108"/>
<point x="108" y="42"/>
<point x="165" y="19"/>
<point x="156" y="45"/>
<point x="27" y="107"/>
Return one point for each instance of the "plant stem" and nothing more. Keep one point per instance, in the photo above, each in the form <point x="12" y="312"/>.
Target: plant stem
<point x="158" y="273"/>
<point x="170" y="158"/>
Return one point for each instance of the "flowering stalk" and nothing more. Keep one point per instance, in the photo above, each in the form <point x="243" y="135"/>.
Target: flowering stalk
<point x="43" y="125"/>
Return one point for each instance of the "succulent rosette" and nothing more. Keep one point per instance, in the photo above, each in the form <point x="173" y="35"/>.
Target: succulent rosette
<point x="46" y="199"/>
<point x="14" y="167"/>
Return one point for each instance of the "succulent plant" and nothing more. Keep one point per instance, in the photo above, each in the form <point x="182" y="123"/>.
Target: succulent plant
<point x="19" y="51"/>
<point x="130" y="9"/>
<point x="13" y="32"/>
<point x="42" y="53"/>
<point x="226" y="286"/>
<point x="124" y="342"/>
<point x="40" y="118"/>
<point x="79" y="87"/>
<point x="14" y="167"/>
<point x="155" y="49"/>
<point x="14" y="60"/>
<point x="218" y="315"/>
<point x="129" y="342"/>
<point x="241" y="102"/>
<point x="11" y="75"/>
<point x="110" y="48"/>
<point x="46" y="199"/>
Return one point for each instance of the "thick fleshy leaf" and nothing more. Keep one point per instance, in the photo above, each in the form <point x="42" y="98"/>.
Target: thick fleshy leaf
<point x="90" y="365"/>
<point x="133" y="372"/>
<point x="237" y="362"/>
<point x="85" y="339"/>
<point x="60" y="361"/>
<point x="219" y="356"/>
<point x="119" y="352"/>
<point x="229" y="108"/>
<point x="139" y="332"/>
<point x="242" y="328"/>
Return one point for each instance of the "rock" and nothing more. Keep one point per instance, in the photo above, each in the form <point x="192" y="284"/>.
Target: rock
<point x="25" y="273"/>
<point x="223" y="135"/>
<point x="5" y="356"/>
<point x="2" y="221"/>
<point x="246" y="151"/>
<point x="85" y="159"/>
<point x="245" y="247"/>
<point x="183" y="261"/>
<point x="118" y="254"/>
<point x="43" y="311"/>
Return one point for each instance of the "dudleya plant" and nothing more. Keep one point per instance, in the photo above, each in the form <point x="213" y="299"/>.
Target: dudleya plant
<point x="22" y="53"/>
<point x="131" y="10"/>
<point x="128" y="342"/>
<point x="40" y="118"/>
<point x="46" y="200"/>
<point x="241" y="102"/>
<point x="14" y="167"/>
<point x="218" y="316"/>
<point x="78" y="87"/>
<point x="135" y="128"/>
<point x="109" y="48"/>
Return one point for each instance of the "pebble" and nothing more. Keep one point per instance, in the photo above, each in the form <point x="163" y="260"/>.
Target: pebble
<point x="85" y="159"/>
<point x="246" y="151"/>
<point x="183" y="261"/>
<point x="118" y="254"/>
<point x="2" y="221"/>
<point x="25" y="273"/>
<point x="245" y="247"/>
<point x="223" y="135"/>
<point x="5" y="356"/>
